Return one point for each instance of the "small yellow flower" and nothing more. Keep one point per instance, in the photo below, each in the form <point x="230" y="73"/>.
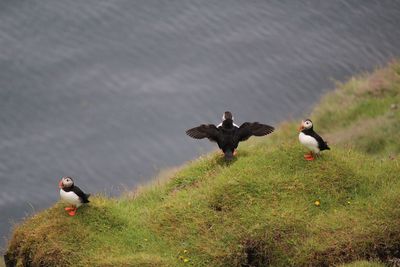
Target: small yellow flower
<point x="348" y="202"/>
<point x="186" y="260"/>
<point x="185" y="251"/>
<point x="146" y="239"/>
<point x="317" y="203"/>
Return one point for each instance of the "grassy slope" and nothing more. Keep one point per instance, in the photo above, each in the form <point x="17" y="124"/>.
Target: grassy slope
<point x="261" y="208"/>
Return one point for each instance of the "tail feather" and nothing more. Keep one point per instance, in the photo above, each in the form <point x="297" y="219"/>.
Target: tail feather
<point x="325" y="147"/>
<point x="228" y="155"/>
<point x="86" y="199"/>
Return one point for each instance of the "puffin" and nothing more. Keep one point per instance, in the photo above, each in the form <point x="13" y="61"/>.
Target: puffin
<point x="311" y="139"/>
<point x="72" y="194"/>
<point x="227" y="134"/>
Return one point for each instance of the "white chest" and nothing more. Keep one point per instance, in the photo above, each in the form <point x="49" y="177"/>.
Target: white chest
<point x="309" y="142"/>
<point x="70" y="198"/>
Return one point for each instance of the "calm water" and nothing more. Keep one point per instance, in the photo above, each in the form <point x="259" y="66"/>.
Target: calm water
<point x="103" y="90"/>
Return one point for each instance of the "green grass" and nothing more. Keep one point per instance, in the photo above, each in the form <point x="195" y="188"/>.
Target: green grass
<point x="364" y="264"/>
<point x="363" y="114"/>
<point x="258" y="210"/>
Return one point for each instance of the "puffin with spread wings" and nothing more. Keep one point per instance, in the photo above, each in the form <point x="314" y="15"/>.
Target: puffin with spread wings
<point x="227" y="134"/>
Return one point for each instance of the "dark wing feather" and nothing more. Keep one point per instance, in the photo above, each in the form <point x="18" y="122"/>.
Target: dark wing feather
<point x="84" y="197"/>
<point x="248" y="129"/>
<point x="209" y="131"/>
<point x="322" y="145"/>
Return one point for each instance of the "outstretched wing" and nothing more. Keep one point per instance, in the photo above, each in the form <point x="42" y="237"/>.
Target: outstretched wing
<point x="204" y="131"/>
<point x="248" y="129"/>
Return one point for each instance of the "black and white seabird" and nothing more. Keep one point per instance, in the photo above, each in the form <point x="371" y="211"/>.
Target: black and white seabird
<point x="311" y="139"/>
<point x="227" y="134"/>
<point x="72" y="194"/>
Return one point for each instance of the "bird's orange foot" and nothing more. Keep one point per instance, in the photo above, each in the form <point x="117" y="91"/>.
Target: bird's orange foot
<point x="309" y="158"/>
<point x="72" y="212"/>
<point x="68" y="208"/>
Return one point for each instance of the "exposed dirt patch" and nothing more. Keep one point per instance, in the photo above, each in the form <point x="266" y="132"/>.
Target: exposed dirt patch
<point x="254" y="254"/>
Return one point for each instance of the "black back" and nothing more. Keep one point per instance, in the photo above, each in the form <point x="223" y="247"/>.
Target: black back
<point x="226" y="137"/>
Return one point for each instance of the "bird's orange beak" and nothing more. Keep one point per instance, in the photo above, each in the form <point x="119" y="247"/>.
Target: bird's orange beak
<point x="301" y="128"/>
<point x="60" y="184"/>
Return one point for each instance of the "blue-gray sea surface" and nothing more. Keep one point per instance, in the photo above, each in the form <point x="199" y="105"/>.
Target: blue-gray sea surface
<point x="103" y="90"/>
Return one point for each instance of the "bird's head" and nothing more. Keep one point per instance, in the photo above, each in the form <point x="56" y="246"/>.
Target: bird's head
<point x="66" y="182"/>
<point x="305" y="124"/>
<point x="227" y="115"/>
